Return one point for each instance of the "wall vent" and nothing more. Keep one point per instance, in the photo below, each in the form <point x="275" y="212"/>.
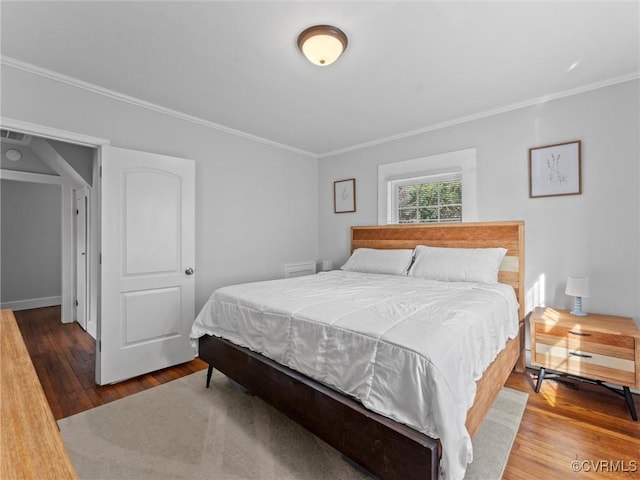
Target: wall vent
<point x="17" y="138"/>
<point x="299" y="269"/>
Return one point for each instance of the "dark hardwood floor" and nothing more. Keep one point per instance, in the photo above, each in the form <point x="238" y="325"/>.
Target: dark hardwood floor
<point x="561" y="424"/>
<point x="64" y="358"/>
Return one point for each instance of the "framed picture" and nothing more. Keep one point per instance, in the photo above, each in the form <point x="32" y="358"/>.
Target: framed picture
<point x="555" y="170"/>
<point x="344" y="196"/>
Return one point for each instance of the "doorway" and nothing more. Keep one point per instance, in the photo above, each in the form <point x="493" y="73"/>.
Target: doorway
<point x="70" y="161"/>
<point x="142" y="295"/>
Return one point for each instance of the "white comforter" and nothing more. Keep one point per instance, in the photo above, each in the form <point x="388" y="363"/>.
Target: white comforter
<point x="407" y="348"/>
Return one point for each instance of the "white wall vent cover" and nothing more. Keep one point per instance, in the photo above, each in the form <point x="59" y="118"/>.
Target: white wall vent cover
<point x="17" y="138"/>
<point x="299" y="269"/>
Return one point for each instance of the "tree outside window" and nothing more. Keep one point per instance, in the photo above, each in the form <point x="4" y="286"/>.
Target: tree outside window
<point x="429" y="202"/>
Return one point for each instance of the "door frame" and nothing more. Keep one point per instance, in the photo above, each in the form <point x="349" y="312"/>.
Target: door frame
<point x="68" y="208"/>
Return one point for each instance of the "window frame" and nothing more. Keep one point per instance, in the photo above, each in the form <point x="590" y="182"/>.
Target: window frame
<point x="461" y="162"/>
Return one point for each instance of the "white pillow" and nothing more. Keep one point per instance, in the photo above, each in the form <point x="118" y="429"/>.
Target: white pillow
<point x="371" y="260"/>
<point x="457" y="264"/>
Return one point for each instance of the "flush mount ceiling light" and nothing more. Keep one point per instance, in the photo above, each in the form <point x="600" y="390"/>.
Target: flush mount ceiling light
<point x="322" y="44"/>
<point x="13" y="155"/>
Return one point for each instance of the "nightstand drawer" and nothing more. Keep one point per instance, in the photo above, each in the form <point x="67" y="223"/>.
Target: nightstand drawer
<point x="585" y="363"/>
<point x="620" y="346"/>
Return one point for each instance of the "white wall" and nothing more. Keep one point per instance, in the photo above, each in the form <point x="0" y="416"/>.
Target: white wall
<point x="256" y="205"/>
<point x="596" y="234"/>
<point x="31" y="244"/>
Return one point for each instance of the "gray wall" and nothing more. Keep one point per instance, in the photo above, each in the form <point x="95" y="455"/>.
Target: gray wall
<point x="80" y="158"/>
<point x="256" y="205"/>
<point x="596" y="234"/>
<point x="31" y="236"/>
<point x="29" y="162"/>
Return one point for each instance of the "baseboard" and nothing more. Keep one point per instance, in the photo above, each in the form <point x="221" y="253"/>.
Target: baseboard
<point x="32" y="303"/>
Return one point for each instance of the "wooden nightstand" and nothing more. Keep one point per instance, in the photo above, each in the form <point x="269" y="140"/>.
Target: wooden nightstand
<point x="600" y="348"/>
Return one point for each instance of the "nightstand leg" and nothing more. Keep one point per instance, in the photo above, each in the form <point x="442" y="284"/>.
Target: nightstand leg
<point x="540" y="378"/>
<point x="630" y="404"/>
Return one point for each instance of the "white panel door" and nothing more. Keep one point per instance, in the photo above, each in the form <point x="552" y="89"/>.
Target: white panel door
<point x="147" y="279"/>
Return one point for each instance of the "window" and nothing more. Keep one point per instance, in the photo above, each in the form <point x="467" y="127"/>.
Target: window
<point x="438" y="188"/>
<point x="429" y="199"/>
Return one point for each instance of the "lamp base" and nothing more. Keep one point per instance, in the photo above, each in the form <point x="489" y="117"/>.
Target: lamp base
<point x="577" y="308"/>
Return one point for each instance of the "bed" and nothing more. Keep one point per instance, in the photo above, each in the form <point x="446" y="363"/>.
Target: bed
<point x="385" y="443"/>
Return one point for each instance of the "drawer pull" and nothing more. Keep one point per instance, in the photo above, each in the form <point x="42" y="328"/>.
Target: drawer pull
<point x="580" y="334"/>
<point x="582" y="355"/>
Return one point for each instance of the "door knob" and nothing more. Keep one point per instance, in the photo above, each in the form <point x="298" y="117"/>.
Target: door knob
<point x="189" y="271"/>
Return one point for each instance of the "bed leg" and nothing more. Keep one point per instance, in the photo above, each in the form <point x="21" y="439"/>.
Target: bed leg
<point x="209" y="373"/>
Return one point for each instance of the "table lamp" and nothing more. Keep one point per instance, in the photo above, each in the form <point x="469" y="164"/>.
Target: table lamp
<point x="577" y="288"/>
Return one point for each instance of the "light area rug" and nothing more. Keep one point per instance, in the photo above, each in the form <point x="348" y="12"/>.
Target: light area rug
<point x="181" y="430"/>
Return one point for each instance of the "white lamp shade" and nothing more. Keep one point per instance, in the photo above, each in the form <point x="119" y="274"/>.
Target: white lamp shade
<point x="578" y="287"/>
<point x="322" y="49"/>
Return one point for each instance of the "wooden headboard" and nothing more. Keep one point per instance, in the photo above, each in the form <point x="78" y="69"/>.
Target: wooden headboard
<point x="509" y="235"/>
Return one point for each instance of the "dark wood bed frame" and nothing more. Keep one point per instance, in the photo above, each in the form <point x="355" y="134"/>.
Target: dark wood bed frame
<point x="381" y="446"/>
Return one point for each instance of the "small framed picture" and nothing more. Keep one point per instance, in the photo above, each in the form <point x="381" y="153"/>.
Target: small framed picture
<point x="344" y="196"/>
<point x="555" y="170"/>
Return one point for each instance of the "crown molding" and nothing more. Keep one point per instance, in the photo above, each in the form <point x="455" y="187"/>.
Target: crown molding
<point x="43" y="72"/>
<point x="105" y="92"/>
<point x="485" y="114"/>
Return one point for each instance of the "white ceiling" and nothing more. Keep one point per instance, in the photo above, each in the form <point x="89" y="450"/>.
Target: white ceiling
<point x="409" y="66"/>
